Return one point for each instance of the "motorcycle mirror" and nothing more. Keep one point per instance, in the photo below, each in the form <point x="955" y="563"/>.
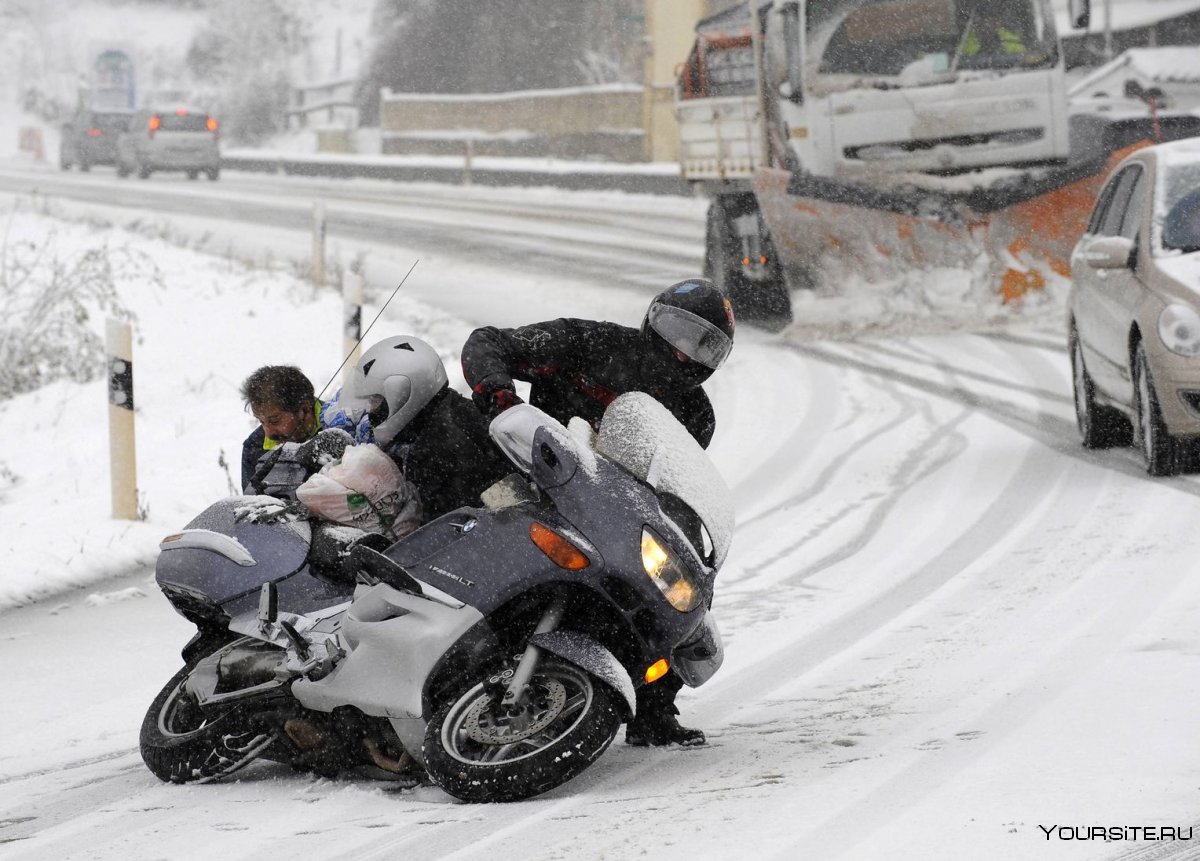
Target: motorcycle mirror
<point x="553" y="462"/>
<point x="268" y="603"/>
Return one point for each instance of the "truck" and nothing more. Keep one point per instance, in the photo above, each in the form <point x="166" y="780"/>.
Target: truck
<point x="880" y="139"/>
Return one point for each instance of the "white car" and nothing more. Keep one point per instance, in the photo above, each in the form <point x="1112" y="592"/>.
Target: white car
<point x="176" y="138"/>
<point x="1134" y="309"/>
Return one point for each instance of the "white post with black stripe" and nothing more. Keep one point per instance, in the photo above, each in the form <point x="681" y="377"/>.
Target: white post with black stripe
<point x="352" y="305"/>
<point x="318" y="245"/>
<point x="122" y="449"/>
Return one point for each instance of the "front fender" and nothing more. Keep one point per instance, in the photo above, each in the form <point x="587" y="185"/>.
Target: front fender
<point x="591" y="657"/>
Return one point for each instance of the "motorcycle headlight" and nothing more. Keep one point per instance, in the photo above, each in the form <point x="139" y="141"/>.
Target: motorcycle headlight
<point x="1179" y="329"/>
<point x="669" y="574"/>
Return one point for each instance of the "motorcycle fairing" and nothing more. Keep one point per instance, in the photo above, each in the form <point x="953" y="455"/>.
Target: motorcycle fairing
<point x="277" y="553"/>
<point x="212" y="572"/>
<point x="382" y="624"/>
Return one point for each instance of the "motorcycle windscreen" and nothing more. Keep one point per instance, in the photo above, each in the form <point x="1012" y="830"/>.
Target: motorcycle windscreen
<point x="645" y="438"/>
<point x="219" y="569"/>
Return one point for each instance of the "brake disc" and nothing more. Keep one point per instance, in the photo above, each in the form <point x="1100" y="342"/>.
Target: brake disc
<point x="487" y="721"/>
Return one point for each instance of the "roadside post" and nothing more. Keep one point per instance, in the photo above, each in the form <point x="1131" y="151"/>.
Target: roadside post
<point x="122" y="449"/>
<point x="352" y="302"/>
<point x="318" y="245"/>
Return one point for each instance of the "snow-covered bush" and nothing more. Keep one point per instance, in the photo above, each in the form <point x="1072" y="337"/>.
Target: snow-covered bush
<point x="242" y="56"/>
<point x="52" y="293"/>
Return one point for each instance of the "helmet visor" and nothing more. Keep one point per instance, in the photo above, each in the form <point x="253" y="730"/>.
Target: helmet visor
<point x="691" y="335"/>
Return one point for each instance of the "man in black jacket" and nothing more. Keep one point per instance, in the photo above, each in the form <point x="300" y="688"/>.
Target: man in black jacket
<point x="399" y="398"/>
<point x="577" y="367"/>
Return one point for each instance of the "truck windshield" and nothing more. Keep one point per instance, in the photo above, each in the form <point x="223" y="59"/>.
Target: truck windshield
<point x="926" y="40"/>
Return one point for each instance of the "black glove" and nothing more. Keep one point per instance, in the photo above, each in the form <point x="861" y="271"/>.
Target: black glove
<point x="324" y="448"/>
<point x="493" y="395"/>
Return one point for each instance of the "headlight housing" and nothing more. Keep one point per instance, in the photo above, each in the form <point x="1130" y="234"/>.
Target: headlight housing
<point x="670" y="575"/>
<point x="1179" y="329"/>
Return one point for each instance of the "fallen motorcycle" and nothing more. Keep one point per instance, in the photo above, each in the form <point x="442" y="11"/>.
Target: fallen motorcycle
<point x="498" y="648"/>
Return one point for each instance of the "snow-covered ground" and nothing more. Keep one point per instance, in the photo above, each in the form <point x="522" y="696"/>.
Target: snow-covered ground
<point x="951" y="633"/>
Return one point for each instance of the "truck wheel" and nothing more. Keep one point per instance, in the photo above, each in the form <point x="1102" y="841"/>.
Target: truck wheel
<point x="765" y="301"/>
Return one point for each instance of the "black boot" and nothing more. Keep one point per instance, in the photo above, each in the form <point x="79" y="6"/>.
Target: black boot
<point x="655" y="723"/>
<point x="661" y="728"/>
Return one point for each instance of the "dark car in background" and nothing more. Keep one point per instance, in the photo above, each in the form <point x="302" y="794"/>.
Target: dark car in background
<point x="91" y="138"/>
<point x="175" y="138"/>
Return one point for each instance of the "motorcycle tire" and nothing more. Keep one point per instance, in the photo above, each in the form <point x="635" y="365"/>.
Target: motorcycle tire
<point x="182" y="744"/>
<point x="478" y="752"/>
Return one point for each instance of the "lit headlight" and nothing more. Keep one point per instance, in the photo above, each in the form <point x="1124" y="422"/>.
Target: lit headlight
<point x="1179" y="329"/>
<point x="670" y="575"/>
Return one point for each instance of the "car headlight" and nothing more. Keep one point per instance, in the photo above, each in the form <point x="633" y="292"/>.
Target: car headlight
<point x="1179" y="329"/>
<point x="669" y="574"/>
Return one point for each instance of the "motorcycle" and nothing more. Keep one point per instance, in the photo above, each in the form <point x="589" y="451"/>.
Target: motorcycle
<point x="495" y="649"/>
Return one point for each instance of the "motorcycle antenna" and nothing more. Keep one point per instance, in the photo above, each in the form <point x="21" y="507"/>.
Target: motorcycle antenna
<point x="368" y="329"/>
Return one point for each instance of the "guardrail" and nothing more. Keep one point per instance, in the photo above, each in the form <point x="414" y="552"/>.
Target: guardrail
<point x="588" y="176"/>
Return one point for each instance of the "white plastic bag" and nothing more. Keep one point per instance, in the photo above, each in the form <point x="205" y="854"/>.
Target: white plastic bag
<point x="364" y="489"/>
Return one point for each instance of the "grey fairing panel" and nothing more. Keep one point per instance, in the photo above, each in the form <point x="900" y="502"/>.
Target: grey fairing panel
<point x="585" y="653"/>
<point x="396" y="639"/>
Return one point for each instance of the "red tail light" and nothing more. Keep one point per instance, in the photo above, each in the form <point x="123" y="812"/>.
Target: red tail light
<point x="95" y="133"/>
<point x="212" y="125"/>
<point x="154" y="123"/>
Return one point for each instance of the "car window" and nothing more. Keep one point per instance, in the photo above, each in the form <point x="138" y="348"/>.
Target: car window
<point x="1120" y="198"/>
<point x="1101" y="207"/>
<point x="1176" y="204"/>
<point x="174" y="122"/>
<point x="1134" y="209"/>
<point x="111" y="123"/>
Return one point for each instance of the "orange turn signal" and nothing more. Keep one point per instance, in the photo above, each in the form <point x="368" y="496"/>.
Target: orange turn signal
<point x="657" y="670"/>
<point x="562" y="552"/>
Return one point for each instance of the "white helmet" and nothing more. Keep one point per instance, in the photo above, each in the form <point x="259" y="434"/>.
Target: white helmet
<point x="392" y="383"/>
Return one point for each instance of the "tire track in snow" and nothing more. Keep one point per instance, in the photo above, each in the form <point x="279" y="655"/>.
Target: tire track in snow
<point x="770" y="471"/>
<point x="924" y="357"/>
<point x="1051" y="431"/>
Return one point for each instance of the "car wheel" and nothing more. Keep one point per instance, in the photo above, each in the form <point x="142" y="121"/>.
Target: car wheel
<point x="64" y="163"/>
<point x="1160" y="450"/>
<point x="143" y="170"/>
<point x="122" y="170"/>
<point x="193" y="175"/>
<point x="1100" y="426"/>
<point x="214" y="174"/>
<point x="85" y="166"/>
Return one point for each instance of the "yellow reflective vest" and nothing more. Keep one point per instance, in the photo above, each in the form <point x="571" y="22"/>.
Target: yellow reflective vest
<point x="1010" y="42"/>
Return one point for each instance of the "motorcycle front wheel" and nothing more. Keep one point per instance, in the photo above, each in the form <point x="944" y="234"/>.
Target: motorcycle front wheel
<point x="181" y="743"/>
<point x="478" y="749"/>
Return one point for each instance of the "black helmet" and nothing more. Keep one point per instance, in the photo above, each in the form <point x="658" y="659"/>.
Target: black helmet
<point x="695" y="318"/>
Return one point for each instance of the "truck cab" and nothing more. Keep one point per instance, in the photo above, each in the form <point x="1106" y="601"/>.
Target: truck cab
<point x="863" y="88"/>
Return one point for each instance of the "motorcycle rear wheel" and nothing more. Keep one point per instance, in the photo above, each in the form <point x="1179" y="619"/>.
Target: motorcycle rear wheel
<point x="180" y="743"/>
<point x="478" y="751"/>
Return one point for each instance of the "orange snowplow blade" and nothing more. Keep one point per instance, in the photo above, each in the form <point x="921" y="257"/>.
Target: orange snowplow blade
<point x="1011" y="251"/>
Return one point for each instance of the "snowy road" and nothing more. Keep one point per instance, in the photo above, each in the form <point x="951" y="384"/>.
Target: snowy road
<point x="951" y="633"/>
